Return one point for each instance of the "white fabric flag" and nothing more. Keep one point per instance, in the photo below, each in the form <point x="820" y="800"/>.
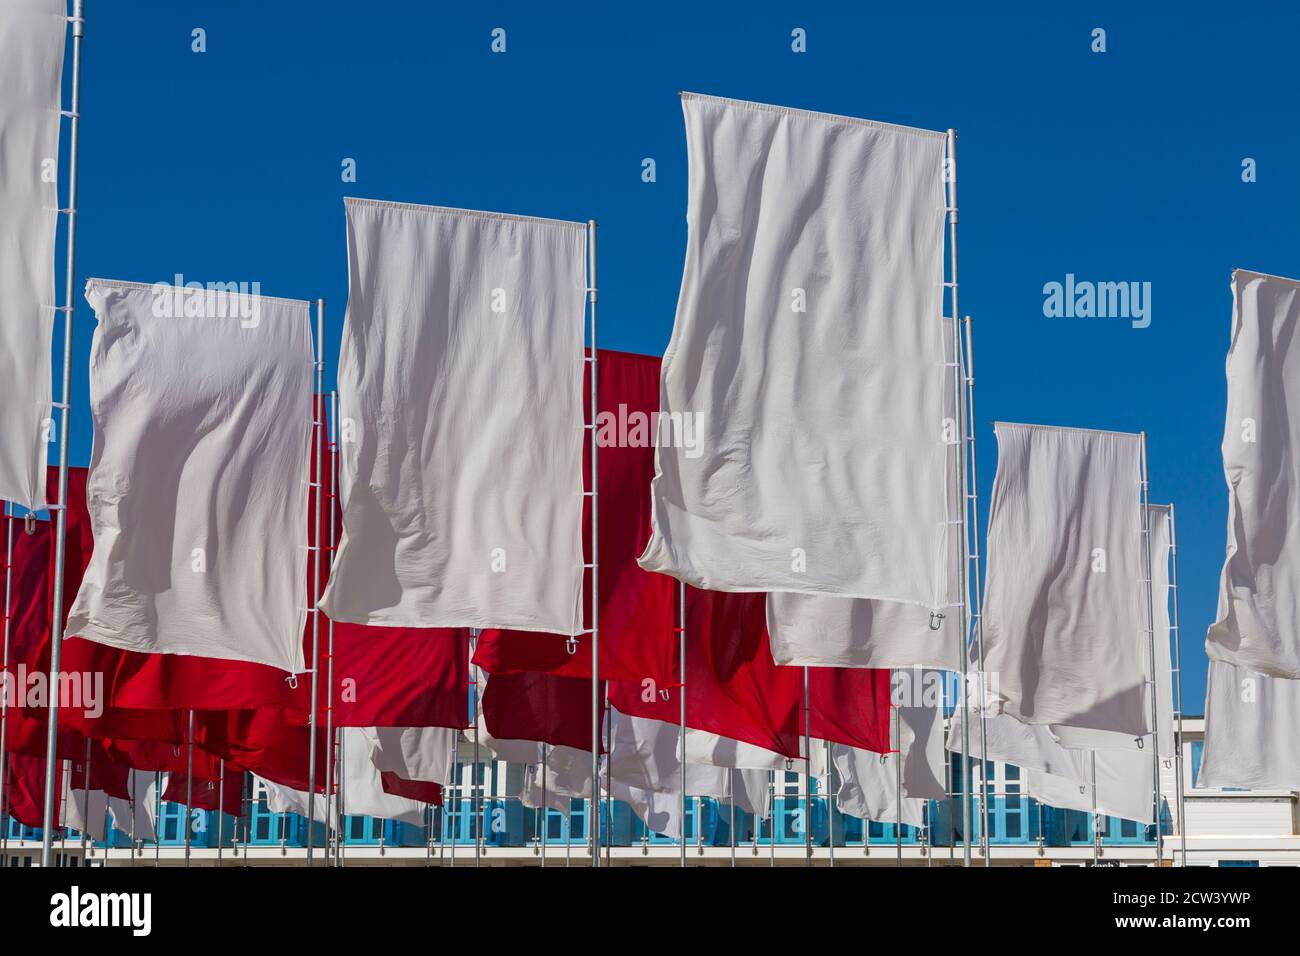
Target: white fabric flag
<point x="1250" y="730"/>
<point x="137" y="817"/>
<point x="282" y="799"/>
<point x="1125" y="785"/>
<point x="1082" y="739"/>
<point x="413" y="753"/>
<point x="1258" y="624"/>
<point x="85" y="811"/>
<point x="1065" y="616"/>
<point x="460" y="391"/>
<point x="202" y="407"/>
<point x="363" y="788"/>
<point x="32" y="35"/>
<point x="869" y="787"/>
<point x="1031" y="746"/>
<point x="567" y="777"/>
<point x="802" y="442"/>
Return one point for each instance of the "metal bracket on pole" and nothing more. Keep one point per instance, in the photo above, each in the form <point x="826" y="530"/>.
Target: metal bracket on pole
<point x="593" y="822"/>
<point x="318" y="452"/>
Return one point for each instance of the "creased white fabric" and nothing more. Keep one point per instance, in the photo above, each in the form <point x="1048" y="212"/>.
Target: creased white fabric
<point x="1079" y="738"/>
<point x="199" y="474"/>
<point x="32" y="36"/>
<point x="1125" y="784"/>
<point x="869" y="787"/>
<point x="460" y="393"/>
<point x="363" y="788"/>
<point x="282" y="799"/>
<point x="413" y="753"/>
<point x="85" y="811"/>
<point x="567" y="777"/>
<point x="1251" y="736"/>
<point x="1065" y="615"/>
<point x="806" y="366"/>
<point x="138" y="816"/>
<point x="1258" y="624"/>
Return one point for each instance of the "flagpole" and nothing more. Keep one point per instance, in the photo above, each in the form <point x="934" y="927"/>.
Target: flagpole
<point x="898" y="783"/>
<point x="157" y="810"/>
<point x="474" y="790"/>
<point x="962" y="635"/>
<point x="1151" y="646"/>
<point x="594" y="808"/>
<point x="221" y="805"/>
<point x="332" y="834"/>
<point x="545" y="818"/>
<point x="59" y="511"/>
<point x="1096" y="820"/>
<point x="830" y="807"/>
<point x="4" y="669"/>
<point x="807" y="774"/>
<point x="85" y="787"/>
<point x="681" y="707"/>
<point x="189" y="785"/>
<point x="731" y="789"/>
<point x="971" y="473"/>
<point x="1178" y="690"/>
<point x="318" y="448"/>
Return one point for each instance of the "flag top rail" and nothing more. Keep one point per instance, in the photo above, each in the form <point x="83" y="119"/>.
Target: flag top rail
<point x="809" y="114"/>
<point x="464" y="213"/>
<point x="152" y="286"/>
<point x="1067" y="428"/>
<point x="1264" y="275"/>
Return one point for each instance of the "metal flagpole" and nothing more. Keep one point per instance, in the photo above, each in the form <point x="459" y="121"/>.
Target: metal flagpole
<point x="950" y="176"/>
<point x="475" y="792"/>
<point x="829" y="797"/>
<point x="1178" y="689"/>
<point x="189" y="785"/>
<point x="731" y="791"/>
<point x="318" y="449"/>
<point x="971" y="473"/>
<point x="681" y="708"/>
<point x="608" y="730"/>
<point x="85" y="788"/>
<point x="1151" y="648"/>
<point x="157" y="814"/>
<point x="807" y="775"/>
<point x="594" y="806"/>
<point x="1096" y="819"/>
<point x="4" y="669"/>
<point x="221" y="805"/>
<point x="59" y="512"/>
<point x="545" y="807"/>
<point x="898" y="783"/>
<point x="332" y="834"/>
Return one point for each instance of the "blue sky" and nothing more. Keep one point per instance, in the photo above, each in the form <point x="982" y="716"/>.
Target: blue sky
<point x="1122" y="166"/>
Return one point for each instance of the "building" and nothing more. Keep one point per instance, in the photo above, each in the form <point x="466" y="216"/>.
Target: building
<point x="1224" y="828"/>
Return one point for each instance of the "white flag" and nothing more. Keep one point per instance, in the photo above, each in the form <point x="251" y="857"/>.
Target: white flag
<point x="32" y="34"/>
<point x="567" y="778"/>
<point x="1258" y="624"/>
<point x="802" y="441"/>
<point x="869" y="787"/>
<point x="202" y="407"/>
<point x="85" y="811"/>
<point x="1250" y="730"/>
<point x="461" y="404"/>
<point x="137" y="817"/>
<point x="363" y="788"/>
<point x="1125" y="784"/>
<point x="1065" y="614"/>
<point x="413" y="753"/>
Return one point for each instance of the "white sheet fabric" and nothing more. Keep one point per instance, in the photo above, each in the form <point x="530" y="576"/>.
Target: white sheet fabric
<point x="138" y="816"/>
<point x="282" y="799"/>
<point x="199" y="474"/>
<point x="1251" y="737"/>
<point x="806" y="365"/>
<point x="1124" y="784"/>
<point x="85" y="811"/>
<point x="869" y="787"/>
<point x="32" y="36"/>
<point x="460" y="395"/>
<point x="413" y="753"/>
<point x="1078" y="738"/>
<point x="1065" y="616"/>
<point x="1258" y="624"/>
<point x="567" y="777"/>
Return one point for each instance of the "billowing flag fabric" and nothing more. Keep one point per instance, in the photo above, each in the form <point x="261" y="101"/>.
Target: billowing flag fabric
<point x="1124" y="785"/>
<point x="869" y="787"/>
<point x="1258" y="624"/>
<point x="137" y="816"/>
<point x="541" y="707"/>
<point x="420" y="791"/>
<point x="225" y="794"/>
<point x="809" y="629"/>
<point x="261" y="742"/>
<point x="1075" y="737"/>
<point x="554" y="784"/>
<point x="637" y="608"/>
<point x="1065" y="615"/>
<point x="810" y="452"/>
<point x="85" y="811"/>
<point x="32" y="34"/>
<point x="1250" y="730"/>
<point x="363" y="792"/>
<point x="208" y="402"/>
<point x="413" y="753"/>
<point x="158" y="757"/>
<point x="25" y="793"/>
<point x="460" y="392"/>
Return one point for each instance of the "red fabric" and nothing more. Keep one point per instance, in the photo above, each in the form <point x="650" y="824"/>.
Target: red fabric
<point x="152" y="756"/>
<point x="419" y="790"/>
<point x="734" y="687"/>
<point x="545" y="707"/>
<point x="208" y="794"/>
<point x="25" y="794"/>
<point x="262" y="742"/>
<point x="636" y="607"/>
<point x="104" y="773"/>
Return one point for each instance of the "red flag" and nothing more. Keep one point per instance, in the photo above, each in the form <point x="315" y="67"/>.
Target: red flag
<point x="546" y="707"/>
<point x="208" y="794"/>
<point x="262" y="742"/>
<point x="102" y="773"/>
<point x="152" y="756"/>
<point x="25" y="800"/>
<point x="423" y="791"/>
<point x="636" y="607"/>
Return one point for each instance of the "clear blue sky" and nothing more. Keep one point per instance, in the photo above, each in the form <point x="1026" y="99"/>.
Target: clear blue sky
<point x="225" y="166"/>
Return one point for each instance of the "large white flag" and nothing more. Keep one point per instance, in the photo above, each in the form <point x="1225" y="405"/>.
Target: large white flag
<point x="202" y="407"/>
<point x="32" y="34"/>
<point x="413" y="753"/>
<point x="1125" y="784"/>
<point x="1251" y="737"/>
<point x="1258" y="624"/>
<point x="1065" y="614"/>
<point x="460" y="395"/>
<point x="869" y="785"/>
<point x="138" y="816"/>
<point x="803" y="445"/>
